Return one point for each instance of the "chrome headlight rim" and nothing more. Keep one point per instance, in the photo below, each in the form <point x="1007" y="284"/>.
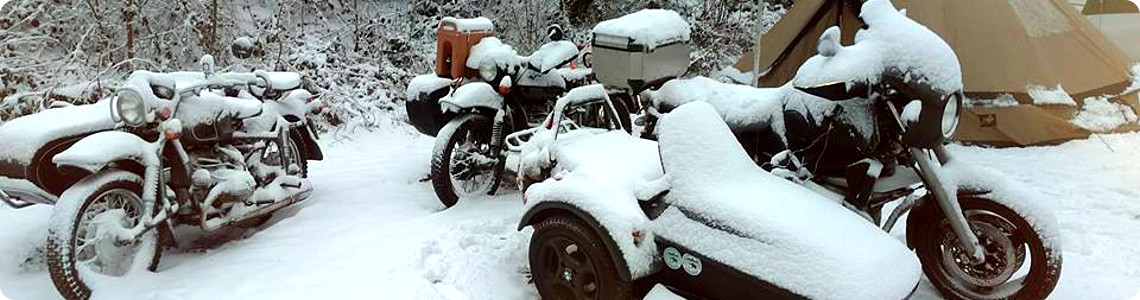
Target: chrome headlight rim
<point x="951" y="113"/>
<point x="130" y="107"/>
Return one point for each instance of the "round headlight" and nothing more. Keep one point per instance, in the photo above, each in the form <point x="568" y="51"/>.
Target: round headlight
<point x="488" y="70"/>
<point x="950" y="116"/>
<point x="131" y="108"/>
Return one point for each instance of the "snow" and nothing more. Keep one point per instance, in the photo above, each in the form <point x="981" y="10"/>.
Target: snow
<point x="837" y="256"/>
<point x="491" y="48"/>
<point x="649" y="27"/>
<point x="22" y="137"/>
<point x="373" y="230"/>
<point x="1040" y="18"/>
<point x="911" y="113"/>
<point x="479" y="24"/>
<point x="1045" y="96"/>
<point x="1003" y="100"/>
<point x="1102" y="114"/>
<point x="472" y="95"/>
<point x="424" y="84"/>
<point x="96" y="151"/>
<point x="744" y="107"/>
<point x="892" y="42"/>
<point x="601" y="175"/>
<point x="552" y="55"/>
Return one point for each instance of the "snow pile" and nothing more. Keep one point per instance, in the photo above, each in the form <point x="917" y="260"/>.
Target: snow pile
<point x="425" y="84"/>
<point x="479" y="24"/>
<point x="475" y="259"/>
<point x="1003" y="100"/>
<point x="891" y="43"/>
<point x="767" y="226"/>
<point x="552" y="55"/>
<point x="966" y="176"/>
<point x="22" y="137"/>
<point x="745" y="108"/>
<point x="1045" y="96"/>
<point x="601" y="174"/>
<point x="472" y="94"/>
<point x="649" y="27"/>
<point x="1102" y="114"/>
<point x="493" y="50"/>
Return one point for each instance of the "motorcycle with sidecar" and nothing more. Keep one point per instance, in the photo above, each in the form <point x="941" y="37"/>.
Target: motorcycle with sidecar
<point x="976" y="234"/>
<point x="482" y="91"/>
<point x="163" y="151"/>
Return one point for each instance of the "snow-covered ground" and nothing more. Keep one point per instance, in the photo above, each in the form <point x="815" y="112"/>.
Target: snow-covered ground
<point x="374" y="230"/>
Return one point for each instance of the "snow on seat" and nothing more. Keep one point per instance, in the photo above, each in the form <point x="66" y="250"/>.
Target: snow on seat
<point x="743" y="107"/>
<point x="20" y="138"/>
<point x="282" y="81"/>
<point x="766" y="226"/>
<point x="552" y="55"/>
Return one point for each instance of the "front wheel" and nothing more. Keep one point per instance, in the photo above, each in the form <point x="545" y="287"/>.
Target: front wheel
<point x="1008" y="240"/>
<point x="84" y="238"/>
<point x="462" y="161"/>
<point x="569" y="261"/>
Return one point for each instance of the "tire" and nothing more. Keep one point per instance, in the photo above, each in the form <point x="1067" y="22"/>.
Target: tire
<point x="593" y="265"/>
<point x="449" y="137"/>
<point x="1045" y="261"/>
<point x="62" y="242"/>
<point x="621" y="105"/>
<point x="295" y="156"/>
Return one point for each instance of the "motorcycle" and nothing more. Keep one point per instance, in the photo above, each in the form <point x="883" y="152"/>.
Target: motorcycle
<point x="481" y="92"/>
<point x="164" y="151"/>
<point x="880" y="143"/>
<point x="693" y="214"/>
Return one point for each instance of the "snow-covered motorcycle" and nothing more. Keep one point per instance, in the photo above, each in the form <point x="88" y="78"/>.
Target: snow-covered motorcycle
<point x="897" y="97"/>
<point x="483" y="91"/>
<point x="163" y="151"/>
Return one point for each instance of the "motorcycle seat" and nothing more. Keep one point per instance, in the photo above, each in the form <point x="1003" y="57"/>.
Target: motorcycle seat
<point x="282" y="81"/>
<point x="552" y="55"/>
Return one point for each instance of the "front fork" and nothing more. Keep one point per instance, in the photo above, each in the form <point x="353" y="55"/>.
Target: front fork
<point x="948" y="200"/>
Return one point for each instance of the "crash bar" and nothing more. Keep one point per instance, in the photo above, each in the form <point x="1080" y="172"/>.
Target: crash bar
<point x="13" y="202"/>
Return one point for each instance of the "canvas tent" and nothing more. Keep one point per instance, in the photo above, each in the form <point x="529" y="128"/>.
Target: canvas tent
<point x="1005" y="48"/>
<point x="1119" y="20"/>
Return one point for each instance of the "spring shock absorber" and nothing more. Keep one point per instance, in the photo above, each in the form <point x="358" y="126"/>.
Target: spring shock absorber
<point x="497" y="131"/>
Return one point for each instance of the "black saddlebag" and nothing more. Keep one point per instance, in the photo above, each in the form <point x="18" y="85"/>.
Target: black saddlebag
<point x="425" y="114"/>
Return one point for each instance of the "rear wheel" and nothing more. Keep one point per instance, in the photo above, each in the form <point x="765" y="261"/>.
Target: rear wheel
<point x="462" y="161"/>
<point x="86" y="237"/>
<point x="1008" y="241"/>
<point x="569" y="261"/>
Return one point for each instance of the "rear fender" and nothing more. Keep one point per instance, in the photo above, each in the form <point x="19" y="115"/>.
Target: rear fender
<point x="97" y="151"/>
<point x="548" y="209"/>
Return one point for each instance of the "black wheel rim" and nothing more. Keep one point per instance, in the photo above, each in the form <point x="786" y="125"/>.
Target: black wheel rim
<point x="1004" y="271"/>
<point x="571" y="272"/>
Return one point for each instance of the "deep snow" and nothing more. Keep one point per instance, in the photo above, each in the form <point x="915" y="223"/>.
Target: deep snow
<point x="374" y="230"/>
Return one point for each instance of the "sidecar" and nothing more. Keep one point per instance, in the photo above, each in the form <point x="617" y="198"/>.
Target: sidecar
<point x="582" y="112"/>
<point x="693" y="213"/>
<point x="27" y="144"/>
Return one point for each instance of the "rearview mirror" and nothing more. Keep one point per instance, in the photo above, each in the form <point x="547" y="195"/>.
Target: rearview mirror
<point x="838" y="91"/>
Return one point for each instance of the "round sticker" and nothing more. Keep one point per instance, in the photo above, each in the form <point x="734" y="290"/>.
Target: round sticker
<point x="692" y="264"/>
<point x="672" y="258"/>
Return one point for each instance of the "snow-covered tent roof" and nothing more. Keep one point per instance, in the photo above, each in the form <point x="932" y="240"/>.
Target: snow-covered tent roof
<point x="1005" y="48"/>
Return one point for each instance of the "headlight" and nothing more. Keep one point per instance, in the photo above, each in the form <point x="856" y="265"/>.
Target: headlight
<point x="488" y="70"/>
<point x="131" y="108"/>
<point x="950" y="115"/>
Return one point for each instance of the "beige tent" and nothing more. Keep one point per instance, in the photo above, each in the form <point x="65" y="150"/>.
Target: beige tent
<point x="1119" y="20"/>
<point x="1005" y="47"/>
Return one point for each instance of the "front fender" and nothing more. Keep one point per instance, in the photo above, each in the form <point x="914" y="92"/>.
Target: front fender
<point x="547" y="209"/>
<point x="96" y="151"/>
<point x="472" y="95"/>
